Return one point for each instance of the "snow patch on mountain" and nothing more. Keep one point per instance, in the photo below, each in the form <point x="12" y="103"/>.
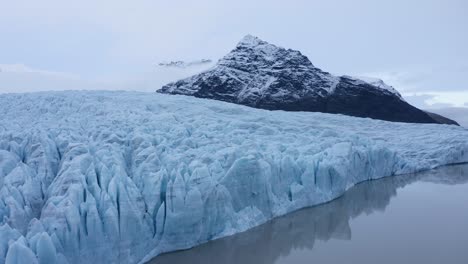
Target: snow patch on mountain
<point x="119" y="177"/>
<point x="379" y="84"/>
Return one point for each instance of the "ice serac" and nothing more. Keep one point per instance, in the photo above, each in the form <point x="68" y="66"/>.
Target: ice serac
<point x="119" y="177"/>
<point x="262" y="75"/>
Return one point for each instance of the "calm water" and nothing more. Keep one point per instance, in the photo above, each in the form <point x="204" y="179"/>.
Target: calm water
<point x="421" y="218"/>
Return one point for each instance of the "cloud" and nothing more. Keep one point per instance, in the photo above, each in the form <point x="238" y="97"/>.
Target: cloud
<point x="443" y="78"/>
<point x="440" y="105"/>
<point x="21" y="68"/>
<point x="436" y="99"/>
<point x="459" y="114"/>
<point x="361" y="34"/>
<point x="33" y="81"/>
<point x="454" y="98"/>
<point x="418" y="100"/>
<point x="110" y="38"/>
<point x="22" y="78"/>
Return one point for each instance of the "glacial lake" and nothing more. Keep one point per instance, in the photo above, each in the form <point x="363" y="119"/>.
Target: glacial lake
<point x="418" y="218"/>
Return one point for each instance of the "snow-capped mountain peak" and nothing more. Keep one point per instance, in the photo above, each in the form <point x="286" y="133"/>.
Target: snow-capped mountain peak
<point x="265" y="52"/>
<point x="262" y="75"/>
<point x="257" y="71"/>
<point x="250" y="40"/>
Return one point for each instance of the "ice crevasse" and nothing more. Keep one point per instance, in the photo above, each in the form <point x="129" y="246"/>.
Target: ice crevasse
<point x="120" y="177"/>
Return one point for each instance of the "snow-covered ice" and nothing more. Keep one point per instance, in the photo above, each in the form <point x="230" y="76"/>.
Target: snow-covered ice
<point x="119" y="177"/>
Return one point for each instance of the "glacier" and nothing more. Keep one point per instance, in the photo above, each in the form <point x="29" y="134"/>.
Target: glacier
<point x="120" y="177"/>
<point x="280" y="240"/>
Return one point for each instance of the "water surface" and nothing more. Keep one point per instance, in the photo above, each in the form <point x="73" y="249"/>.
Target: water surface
<point x="420" y="218"/>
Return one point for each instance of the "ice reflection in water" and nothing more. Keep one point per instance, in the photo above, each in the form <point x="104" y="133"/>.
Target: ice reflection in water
<point x="300" y="230"/>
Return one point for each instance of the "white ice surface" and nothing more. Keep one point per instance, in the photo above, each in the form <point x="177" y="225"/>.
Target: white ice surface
<point x="119" y="177"/>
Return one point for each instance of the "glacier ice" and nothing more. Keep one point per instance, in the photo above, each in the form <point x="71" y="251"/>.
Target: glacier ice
<point x="119" y="177"/>
<point x="303" y="229"/>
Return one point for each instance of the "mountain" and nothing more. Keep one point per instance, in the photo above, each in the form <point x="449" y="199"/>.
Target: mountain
<point x="262" y="75"/>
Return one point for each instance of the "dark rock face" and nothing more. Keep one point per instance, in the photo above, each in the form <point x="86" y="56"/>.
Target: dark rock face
<point x="442" y="119"/>
<point x="362" y="100"/>
<point x="262" y="75"/>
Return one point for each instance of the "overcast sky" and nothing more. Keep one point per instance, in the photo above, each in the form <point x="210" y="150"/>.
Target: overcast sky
<point x="419" y="46"/>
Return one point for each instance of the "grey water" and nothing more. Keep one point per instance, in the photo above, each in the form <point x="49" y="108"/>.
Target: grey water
<point x="415" y="218"/>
